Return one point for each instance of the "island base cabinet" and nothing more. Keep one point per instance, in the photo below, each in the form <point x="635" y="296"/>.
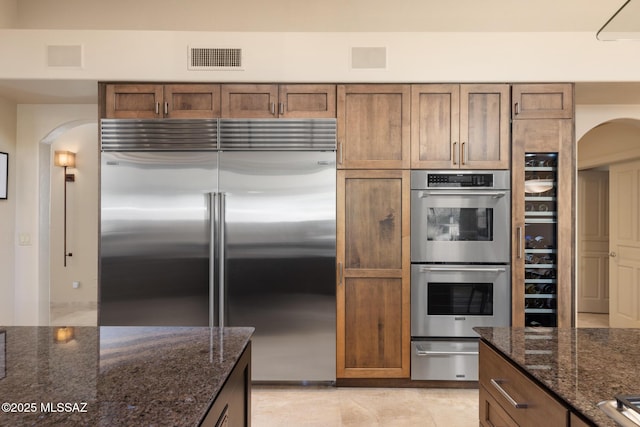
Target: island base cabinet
<point x="232" y="406"/>
<point x="522" y="401"/>
<point x="491" y="413"/>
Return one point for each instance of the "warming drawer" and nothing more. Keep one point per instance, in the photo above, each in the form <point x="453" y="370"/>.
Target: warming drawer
<point x="444" y="360"/>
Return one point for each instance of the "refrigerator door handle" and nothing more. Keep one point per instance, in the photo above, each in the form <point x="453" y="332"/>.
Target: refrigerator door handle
<point x="213" y="214"/>
<point x="221" y="259"/>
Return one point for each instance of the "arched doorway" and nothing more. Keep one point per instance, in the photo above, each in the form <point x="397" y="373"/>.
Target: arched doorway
<point x="603" y="147"/>
<point x="57" y="298"/>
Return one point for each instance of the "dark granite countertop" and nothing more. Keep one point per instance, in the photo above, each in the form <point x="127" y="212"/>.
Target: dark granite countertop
<point x="114" y="376"/>
<point x="581" y="366"/>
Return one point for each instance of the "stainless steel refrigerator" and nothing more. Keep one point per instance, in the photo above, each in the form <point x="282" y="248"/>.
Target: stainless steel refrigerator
<point x="224" y="223"/>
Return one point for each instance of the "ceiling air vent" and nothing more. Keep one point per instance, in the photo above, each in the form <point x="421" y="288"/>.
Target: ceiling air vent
<point x="207" y="58"/>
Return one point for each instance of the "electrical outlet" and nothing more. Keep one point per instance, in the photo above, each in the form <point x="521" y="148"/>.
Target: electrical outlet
<point x="75" y="285"/>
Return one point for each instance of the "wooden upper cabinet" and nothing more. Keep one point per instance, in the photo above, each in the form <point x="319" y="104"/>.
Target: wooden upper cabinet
<point x="460" y="126"/>
<point x="307" y="101"/>
<point x="272" y="101"/>
<point x="188" y="101"/>
<point x="249" y="101"/>
<point x="151" y="101"/>
<point x="373" y="338"/>
<point x="374" y="126"/>
<point x="133" y="101"/>
<point x="542" y="101"/>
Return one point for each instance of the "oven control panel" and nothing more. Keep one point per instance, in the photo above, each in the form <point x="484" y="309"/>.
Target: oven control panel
<point x="454" y="180"/>
<point x="468" y="179"/>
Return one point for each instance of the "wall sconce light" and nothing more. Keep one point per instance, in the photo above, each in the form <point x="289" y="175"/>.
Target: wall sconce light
<point x="63" y="335"/>
<point x="66" y="159"/>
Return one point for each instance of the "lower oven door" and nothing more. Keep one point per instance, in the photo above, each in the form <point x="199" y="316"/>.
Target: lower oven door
<point x="444" y="360"/>
<point x="450" y="300"/>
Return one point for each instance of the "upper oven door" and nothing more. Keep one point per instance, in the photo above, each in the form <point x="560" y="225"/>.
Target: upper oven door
<point x="460" y="225"/>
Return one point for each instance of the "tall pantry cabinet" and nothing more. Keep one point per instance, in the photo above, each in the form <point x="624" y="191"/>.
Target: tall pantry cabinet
<point x="373" y="231"/>
<point x="543" y="200"/>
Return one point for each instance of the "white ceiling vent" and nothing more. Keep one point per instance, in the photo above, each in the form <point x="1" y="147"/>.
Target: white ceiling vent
<point x="209" y="58"/>
<point x="369" y="58"/>
<point x="64" y="56"/>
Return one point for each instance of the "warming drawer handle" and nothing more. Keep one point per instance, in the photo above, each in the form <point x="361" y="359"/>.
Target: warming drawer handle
<point x="493" y="194"/>
<point x="512" y="401"/>
<point x="445" y="353"/>
<point x="475" y="269"/>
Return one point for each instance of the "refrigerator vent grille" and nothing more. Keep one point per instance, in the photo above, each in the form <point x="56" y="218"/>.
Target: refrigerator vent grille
<point x="158" y="134"/>
<point x="278" y="134"/>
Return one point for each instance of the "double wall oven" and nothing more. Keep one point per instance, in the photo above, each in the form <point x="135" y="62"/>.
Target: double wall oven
<point x="460" y="272"/>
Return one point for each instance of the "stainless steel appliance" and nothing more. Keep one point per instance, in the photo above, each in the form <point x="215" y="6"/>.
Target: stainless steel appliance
<point x="460" y="216"/>
<point x="460" y="272"/>
<point x="450" y="300"/>
<point x="226" y="223"/>
<point x="624" y="410"/>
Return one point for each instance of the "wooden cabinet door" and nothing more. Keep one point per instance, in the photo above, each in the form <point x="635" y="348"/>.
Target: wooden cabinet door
<point x="484" y="126"/>
<point x="542" y="101"/>
<point x="307" y="101"/>
<point x="186" y="101"/>
<point x="374" y="126"/>
<point x="249" y="100"/>
<point x="133" y="101"/>
<point x="544" y="136"/>
<point x="373" y="334"/>
<point x="435" y="126"/>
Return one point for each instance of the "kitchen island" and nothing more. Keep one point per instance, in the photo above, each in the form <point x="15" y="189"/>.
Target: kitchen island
<point x="125" y="376"/>
<point x="575" y="368"/>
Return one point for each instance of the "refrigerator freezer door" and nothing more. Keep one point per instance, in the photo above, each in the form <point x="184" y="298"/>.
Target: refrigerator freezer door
<point x="155" y="237"/>
<point x="280" y="260"/>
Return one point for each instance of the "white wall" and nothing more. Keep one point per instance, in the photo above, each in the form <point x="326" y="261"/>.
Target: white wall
<point x="8" y="116"/>
<point x="320" y="57"/>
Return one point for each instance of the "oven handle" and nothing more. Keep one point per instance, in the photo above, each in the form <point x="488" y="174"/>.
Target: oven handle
<point x="445" y="353"/>
<point x="475" y="269"/>
<point x="493" y="194"/>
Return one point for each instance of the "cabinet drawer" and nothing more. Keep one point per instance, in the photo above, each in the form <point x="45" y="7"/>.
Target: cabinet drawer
<point x="525" y="402"/>
<point x="491" y="413"/>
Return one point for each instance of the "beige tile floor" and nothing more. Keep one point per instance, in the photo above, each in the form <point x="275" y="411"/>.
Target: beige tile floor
<point x="592" y="320"/>
<point x="363" y="407"/>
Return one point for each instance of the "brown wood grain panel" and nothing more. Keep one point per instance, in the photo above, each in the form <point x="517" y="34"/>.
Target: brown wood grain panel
<point x="249" y="100"/>
<point x="192" y="100"/>
<point x="542" y="101"/>
<point x="374" y="126"/>
<point x="373" y="327"/>
<point x="133" y="101"/>
<point x="373" y="223"/>
<point x="308" y="100"/>
<point x="435" y="121"/>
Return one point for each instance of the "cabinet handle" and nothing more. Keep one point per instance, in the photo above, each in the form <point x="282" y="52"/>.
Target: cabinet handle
<point x="517" y="108"/>
<point x="157" y="108"/>
<point x="453" y="154"/>
<point x="462" y="156"/>
<point x="166" y="108"/>
<point x="281" y="108"/>
<point x="340" y="153"/>
<point x="519" y="231"/>
<point x="613" y="254"/>
<point x="272" y="107"/>
<point x="517" y="405"/>
<point x="340" y="273"/>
